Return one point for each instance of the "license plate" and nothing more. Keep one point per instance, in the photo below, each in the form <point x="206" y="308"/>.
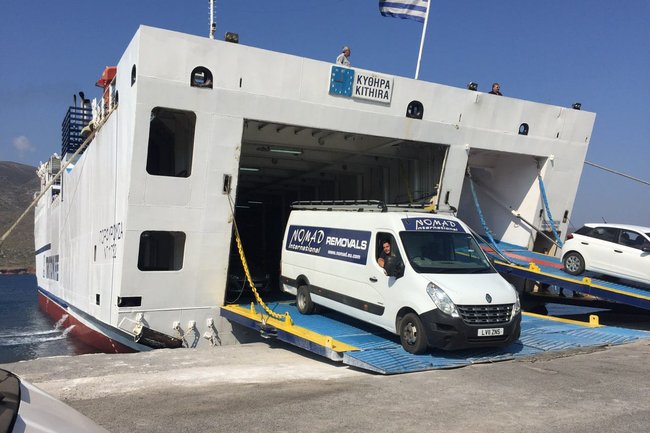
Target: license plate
<point x="490" y="332"/>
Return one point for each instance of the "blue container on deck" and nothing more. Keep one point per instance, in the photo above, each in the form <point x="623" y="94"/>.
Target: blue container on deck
<point x="75" y="120"/>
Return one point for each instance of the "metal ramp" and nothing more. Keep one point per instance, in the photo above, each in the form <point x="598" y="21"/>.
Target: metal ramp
<point x="548" y="270"/>
<point x="364" y="346"/>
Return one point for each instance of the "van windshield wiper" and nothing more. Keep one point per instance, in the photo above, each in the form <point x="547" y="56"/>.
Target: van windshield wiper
<point x="479" y="271"/>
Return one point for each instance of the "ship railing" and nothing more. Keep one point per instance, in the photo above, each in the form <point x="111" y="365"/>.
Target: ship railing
<point x="103" y="107"/>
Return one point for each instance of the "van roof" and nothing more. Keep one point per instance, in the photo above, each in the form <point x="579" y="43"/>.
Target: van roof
<point x="411" y="220"/>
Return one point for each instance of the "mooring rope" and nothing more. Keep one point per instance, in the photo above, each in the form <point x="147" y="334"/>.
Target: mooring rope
<point x="618" y="173"/>
<point x="488" y="233"/>
<point x="547" y="208"/>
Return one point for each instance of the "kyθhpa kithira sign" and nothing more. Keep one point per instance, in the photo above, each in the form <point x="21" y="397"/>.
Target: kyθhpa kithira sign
<point x="357" y="84"/>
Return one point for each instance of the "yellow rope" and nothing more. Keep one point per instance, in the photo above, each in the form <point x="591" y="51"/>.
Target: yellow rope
<point x="242" y="256"/>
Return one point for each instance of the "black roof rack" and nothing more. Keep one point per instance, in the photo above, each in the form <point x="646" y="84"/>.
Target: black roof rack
<point x="403" y="207"/>
<point x="358" y="206"/>
<point x="347" y="205"/>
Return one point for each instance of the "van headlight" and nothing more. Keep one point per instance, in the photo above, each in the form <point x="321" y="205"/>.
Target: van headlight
<point x="442" y="301"/>
<point x="516" y="309"/>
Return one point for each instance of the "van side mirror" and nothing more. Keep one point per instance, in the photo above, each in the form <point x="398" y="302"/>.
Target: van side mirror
<point x="395" y="274"/>
<point x="396" y="270"/>
<point x="394" y="266"/>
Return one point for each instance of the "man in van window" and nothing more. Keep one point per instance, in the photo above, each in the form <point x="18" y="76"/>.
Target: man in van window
<point x="390" y="260"/>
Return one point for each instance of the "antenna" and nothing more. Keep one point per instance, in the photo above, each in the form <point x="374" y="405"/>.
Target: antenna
<point x="213" y="24"/>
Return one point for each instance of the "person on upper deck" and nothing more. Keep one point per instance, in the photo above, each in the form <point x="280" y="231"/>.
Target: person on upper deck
<point x="344" y="57"/>
<point x="496" y="89"/>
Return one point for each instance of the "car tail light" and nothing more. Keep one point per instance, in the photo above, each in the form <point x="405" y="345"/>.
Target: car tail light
<point x="569" y="236"/>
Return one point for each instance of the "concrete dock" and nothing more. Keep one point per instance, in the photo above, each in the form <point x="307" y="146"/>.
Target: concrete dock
<point x="270" y="386"/>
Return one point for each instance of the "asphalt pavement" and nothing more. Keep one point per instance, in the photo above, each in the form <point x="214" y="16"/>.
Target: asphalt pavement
<point x="272" y="387"/>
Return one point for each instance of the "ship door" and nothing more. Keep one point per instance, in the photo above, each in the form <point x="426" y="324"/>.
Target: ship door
<point x="280" y="164"/>
<point x="543" y="244"/>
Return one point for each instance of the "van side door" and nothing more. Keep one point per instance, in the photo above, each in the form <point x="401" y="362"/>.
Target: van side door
<point x="385" y="269"/>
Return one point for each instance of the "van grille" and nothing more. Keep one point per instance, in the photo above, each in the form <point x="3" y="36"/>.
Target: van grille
<point x="485" y="314"/>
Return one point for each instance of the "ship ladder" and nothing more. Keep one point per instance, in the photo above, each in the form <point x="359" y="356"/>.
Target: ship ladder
<point x="266" y="330"/>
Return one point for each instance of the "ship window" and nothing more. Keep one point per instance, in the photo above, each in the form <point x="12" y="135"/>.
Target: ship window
<point x="201" y="77"/>
<point x="133" y="75"/>
<point x="161" y="251"/>
<point x="129" y="301"/>
<point x="415" y="110"/>
<point x="171" y="142"/>
<point x="523" y="129"/>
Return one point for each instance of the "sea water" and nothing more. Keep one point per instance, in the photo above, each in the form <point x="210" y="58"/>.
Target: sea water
<point x="25" y="331"/>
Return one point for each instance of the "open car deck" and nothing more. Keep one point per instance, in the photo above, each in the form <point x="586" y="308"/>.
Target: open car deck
<point x="361" y="345"/>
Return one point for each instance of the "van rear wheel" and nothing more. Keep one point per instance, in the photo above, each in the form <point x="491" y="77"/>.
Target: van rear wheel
<point x="304" y="302"/>
<point x="412" y="334"/>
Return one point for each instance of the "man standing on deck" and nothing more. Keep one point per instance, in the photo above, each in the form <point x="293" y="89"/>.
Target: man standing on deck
<point x="343" y="58"/>
<point x="496" y="89"/>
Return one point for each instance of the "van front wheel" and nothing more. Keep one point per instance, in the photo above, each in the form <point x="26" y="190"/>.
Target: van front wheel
<point x="304" y="302"/>
<point x="412" y="334"/>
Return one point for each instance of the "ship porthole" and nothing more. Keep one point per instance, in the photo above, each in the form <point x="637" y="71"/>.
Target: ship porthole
<point x="201" y="77"/>
<point x="523" y="129"/>
<point x="415" y="110"/>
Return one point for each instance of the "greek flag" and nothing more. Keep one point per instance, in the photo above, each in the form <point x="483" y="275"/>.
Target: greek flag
<point x="408" y="9"/>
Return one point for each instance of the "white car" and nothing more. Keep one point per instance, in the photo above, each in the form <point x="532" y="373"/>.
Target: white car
<point x="617" y="250"/>
<point x="25" y="408"/>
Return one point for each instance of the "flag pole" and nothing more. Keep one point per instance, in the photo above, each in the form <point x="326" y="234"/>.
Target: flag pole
<point x="213" y="24"/>
<point x="424" y="32"/>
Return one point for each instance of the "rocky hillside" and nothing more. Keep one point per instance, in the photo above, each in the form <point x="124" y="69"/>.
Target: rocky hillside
<point x="18" y="183"/>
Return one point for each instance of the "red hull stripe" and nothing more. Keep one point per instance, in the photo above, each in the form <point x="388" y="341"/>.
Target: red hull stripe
<point x="80" y="331"/>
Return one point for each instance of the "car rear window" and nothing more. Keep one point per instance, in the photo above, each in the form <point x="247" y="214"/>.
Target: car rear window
<point x="584" y="230"/>
<point x="605" y="233"/>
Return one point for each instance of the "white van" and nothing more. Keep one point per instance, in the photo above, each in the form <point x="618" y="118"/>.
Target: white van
<point x="436" y="287"/>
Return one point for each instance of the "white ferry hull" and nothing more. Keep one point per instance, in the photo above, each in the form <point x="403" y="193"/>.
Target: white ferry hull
<point x="136" y="241"/>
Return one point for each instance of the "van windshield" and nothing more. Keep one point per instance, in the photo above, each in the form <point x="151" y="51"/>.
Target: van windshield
<point x="444" y="253"/>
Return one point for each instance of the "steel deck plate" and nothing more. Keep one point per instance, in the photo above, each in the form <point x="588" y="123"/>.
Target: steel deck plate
<point x="377" y="350"/>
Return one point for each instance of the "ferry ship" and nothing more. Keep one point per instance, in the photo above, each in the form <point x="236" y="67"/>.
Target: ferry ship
<point x="134" y="239"/>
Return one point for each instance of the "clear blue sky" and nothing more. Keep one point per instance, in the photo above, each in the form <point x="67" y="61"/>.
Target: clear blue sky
<point x="556" y="52"/>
